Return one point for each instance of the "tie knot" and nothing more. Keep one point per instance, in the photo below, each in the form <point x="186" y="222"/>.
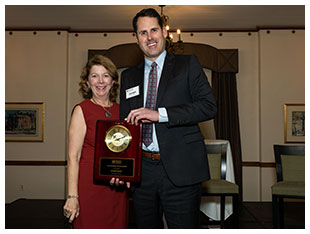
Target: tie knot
<point x="154" y="64"/>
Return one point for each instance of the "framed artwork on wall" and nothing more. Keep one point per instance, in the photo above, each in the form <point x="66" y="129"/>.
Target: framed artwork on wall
<point x="294" y="123"/>
<point x="24" y="121"/>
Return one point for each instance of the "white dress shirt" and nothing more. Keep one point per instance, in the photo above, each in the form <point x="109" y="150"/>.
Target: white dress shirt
<point x="163" y="116"/>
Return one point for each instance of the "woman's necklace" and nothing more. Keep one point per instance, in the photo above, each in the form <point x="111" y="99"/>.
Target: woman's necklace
<point x="107" y="112"/>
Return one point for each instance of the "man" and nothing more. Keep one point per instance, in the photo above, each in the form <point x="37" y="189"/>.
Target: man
<point x="174" y="160"/>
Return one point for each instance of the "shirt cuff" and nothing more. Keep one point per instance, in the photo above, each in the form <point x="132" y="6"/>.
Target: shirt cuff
<point x="163" y="115"/>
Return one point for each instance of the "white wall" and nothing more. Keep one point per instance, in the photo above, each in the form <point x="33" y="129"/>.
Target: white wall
<point x="52" y="78"/>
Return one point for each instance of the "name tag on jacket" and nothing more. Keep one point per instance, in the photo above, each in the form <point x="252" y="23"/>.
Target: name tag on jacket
<point x="132" y="92"/>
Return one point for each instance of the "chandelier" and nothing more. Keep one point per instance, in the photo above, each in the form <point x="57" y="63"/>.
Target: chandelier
<point x="169" y="38"/>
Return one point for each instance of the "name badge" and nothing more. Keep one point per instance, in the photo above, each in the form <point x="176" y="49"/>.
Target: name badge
<point x="132" y="92"/>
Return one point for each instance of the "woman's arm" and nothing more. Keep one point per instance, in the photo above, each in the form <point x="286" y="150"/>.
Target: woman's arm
<point x="77" y="131"/>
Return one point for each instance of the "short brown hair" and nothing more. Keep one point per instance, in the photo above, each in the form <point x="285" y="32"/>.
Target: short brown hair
<point x="111" y="68"/>
<point x="149" y="12"/>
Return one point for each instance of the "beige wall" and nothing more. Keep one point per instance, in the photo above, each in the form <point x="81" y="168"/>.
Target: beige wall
<point x="36" y="71"/>
<point x="282" y="80"/>
<point x="50" y="77"/>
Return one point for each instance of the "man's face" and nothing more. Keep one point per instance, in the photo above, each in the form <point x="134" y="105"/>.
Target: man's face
<point x="150" y="37"/>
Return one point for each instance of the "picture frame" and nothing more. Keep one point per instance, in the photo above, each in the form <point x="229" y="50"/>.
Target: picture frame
<point x="24" y="121"/>
<point x="294" y="123"/>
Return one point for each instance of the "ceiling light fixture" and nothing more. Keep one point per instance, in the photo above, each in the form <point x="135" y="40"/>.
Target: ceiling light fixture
<point x="169" y="38"/>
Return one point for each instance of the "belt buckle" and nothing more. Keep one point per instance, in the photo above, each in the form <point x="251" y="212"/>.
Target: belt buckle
<point x="152" y="156"/>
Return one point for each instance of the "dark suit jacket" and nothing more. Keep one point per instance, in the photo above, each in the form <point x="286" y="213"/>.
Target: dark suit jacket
<point x="186" y="94"/>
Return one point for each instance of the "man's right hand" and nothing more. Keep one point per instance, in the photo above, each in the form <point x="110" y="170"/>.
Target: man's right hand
<point x="142" y="114"/>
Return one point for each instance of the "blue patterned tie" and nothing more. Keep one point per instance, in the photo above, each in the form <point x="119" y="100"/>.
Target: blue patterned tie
<point x="147" y="132"/>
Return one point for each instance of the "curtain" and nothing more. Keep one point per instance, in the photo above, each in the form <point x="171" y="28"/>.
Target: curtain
<point x="226" y="122"/>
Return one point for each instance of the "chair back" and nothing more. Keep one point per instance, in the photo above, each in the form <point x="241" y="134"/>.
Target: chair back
<point x="217" y="157"/>
<point x="290" y="162"/>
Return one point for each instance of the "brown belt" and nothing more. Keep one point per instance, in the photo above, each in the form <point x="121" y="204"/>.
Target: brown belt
<point x="152" y="155"/>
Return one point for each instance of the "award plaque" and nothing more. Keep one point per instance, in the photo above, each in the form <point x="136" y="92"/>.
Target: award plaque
<point x="117" y="151"/>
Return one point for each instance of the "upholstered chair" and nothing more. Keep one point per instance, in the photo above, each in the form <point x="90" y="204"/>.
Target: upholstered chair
<point x="290" y="169"/>
<point x="218" y="185"/>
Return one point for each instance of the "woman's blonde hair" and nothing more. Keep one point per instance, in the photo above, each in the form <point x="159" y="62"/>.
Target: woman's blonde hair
<point x="111" y="68"/>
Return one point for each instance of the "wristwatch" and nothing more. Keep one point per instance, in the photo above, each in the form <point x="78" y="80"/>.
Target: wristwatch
<point x="118" y="138"/>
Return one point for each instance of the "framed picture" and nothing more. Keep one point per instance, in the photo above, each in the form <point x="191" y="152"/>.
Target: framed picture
<point x="294" y="123"/>
<point x="24" y="121"/>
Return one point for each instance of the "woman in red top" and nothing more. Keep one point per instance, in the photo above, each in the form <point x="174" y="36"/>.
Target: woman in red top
<point x="87" y="204"/>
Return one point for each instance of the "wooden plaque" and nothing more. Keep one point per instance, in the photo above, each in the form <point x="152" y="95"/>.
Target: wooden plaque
<point x="118" y="151"/>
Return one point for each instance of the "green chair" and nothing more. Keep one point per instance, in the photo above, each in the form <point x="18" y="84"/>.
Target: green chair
<point x="218" y="185"/>
<point x="290" y="169"/>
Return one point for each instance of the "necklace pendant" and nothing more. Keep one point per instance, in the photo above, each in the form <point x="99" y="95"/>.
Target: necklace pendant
<point x="108" y="114"/>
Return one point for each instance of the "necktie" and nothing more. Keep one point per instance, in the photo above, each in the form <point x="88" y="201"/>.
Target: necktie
<point x="147" y="130"/>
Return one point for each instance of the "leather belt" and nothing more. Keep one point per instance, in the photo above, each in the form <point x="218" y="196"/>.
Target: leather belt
<point x="152" y="155"/>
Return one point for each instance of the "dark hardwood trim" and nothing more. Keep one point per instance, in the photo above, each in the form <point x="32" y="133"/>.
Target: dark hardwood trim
<point x="35" y="163"/>
<point x="250" y="164"/>
<point x="258" y="164"/>
<point x="173" y="30"/>
<point x="280" y="28"/>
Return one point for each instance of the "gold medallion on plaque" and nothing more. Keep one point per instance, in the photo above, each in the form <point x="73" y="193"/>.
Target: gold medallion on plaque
<point x="118" y="138"/>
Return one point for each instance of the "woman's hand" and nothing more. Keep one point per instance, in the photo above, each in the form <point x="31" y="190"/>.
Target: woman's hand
<point x="118" y="182"/>
<point x="71" y="209"/>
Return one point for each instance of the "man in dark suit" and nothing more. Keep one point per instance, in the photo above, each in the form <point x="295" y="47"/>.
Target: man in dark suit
<point x="174" y="159"/>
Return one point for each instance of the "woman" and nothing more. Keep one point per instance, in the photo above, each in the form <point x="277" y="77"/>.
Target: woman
<point x="93" y="206"/>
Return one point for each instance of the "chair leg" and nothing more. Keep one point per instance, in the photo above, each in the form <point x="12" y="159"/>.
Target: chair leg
<point x="235" y="211"/>
<point x="275" y="210"/>
<point x="222" y="211"/>
<point x="281" y="212"/>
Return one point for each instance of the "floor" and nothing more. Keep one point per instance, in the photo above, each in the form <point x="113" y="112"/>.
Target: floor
<point x="47" y="214"/>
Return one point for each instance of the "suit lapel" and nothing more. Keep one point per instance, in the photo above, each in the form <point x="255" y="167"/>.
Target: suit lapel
<point x="138" y="80"/>
<point x="165" y="76"/>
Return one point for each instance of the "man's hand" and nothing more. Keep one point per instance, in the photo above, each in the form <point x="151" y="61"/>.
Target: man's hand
<point x="142" y="114"/>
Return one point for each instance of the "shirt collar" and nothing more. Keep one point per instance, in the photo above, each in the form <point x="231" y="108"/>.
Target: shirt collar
<point x="159" y="61"/>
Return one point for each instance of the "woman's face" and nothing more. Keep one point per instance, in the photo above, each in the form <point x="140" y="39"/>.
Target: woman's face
<point x="99" y="81"/>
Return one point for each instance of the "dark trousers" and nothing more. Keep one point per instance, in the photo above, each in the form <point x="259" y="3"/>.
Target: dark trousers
<point x="157" y="195"/>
